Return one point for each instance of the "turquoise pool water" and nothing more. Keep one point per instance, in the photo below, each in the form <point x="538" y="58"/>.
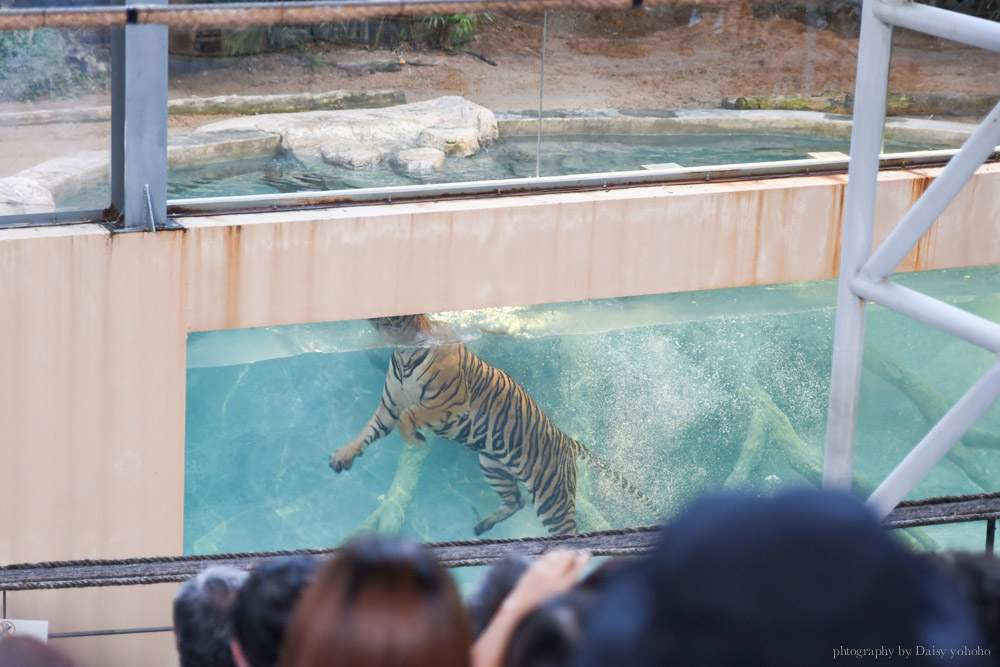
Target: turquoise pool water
<point x="669" y="389"/>
<point x="512" y="157"/>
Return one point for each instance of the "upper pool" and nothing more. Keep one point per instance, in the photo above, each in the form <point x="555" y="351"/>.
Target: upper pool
<point x="512" y="157"/>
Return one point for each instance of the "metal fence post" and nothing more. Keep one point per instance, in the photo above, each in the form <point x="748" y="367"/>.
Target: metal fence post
<point x="118" y="119"/>
<point x="859" y="212"/>
<point x="139" y="124"/>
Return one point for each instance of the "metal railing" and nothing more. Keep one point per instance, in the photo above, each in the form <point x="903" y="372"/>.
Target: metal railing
<point x="621" y="542"/>
<point x="865" y="276"/>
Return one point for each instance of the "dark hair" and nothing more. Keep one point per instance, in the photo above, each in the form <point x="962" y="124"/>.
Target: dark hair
<point x="18" y="651"/>
<point x="549" y="634"/>
<point x="491" y="589"/>
<point x="202" y="610"/>
<point x="977" y="577"/>
<point x="598" y="578"/>
<point x="379" y="603"/>
<point x="789" y="580"/>
<point x="264" y="605"/>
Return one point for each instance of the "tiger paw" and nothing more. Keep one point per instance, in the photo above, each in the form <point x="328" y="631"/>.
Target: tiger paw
<point x="483" y="526"/>
<point x="343" y="458"/>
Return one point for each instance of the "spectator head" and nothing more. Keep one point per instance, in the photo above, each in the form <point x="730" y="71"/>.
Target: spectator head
<point x="549" y="635"/>
<point x="790" y="580"/>
<point x="977" y="576"/>
<point x="202" y="612"/>
<point x="491" y="589"/>
<point x="603" y="573"/>
<point x="379" y="603"/>
<point x="16" y="651"/>
<point x="263" y="608"/>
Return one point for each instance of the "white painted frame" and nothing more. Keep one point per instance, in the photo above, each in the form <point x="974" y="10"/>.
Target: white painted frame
<point x="865" y="276"/>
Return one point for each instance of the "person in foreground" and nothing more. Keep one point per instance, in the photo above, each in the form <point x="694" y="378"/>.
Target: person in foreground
<point x="388" y="603"/>
<point x="977" y="578"/>
<point x="496" y="583"/>
<point x="805" y="578"/>
<point x="18" y="651"/>
<point x="201" y="611"/>
<point x="263" y="607"/>
<point x="551" y="575"/>
<point x="379" y="603"/>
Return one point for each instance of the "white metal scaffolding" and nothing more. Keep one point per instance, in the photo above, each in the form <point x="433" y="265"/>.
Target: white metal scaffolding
<point x="865" y="276"/>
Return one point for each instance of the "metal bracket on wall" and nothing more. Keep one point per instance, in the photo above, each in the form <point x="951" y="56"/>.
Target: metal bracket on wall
<point x="148" y="218"/>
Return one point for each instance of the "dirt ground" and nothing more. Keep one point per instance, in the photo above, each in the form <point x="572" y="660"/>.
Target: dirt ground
<point x="676" y="57"/>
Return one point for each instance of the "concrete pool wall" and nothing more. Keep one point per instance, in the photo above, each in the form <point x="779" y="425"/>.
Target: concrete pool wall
<point x="93" y="329"/>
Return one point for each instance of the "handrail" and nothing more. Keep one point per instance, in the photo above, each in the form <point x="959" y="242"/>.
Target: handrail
<point x="168" y="569"/>
<point x="619" y="542"/>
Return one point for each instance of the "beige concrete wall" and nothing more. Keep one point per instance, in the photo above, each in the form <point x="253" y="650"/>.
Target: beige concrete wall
<point x="93" y="329"/>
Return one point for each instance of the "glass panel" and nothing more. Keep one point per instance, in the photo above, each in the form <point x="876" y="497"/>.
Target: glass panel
<point x="914" y="374"/>
<point x="969" y="537"/>
<point x="298" y="108"/>
<point x="693" y="86"/>
<point x="267" y="407"/>
<point x="939" y="84"/>
<point x="938" y="79"/>
<point x="685" y="84"/>
<point x="680" y="394"/>
<point x="55" y="119"/>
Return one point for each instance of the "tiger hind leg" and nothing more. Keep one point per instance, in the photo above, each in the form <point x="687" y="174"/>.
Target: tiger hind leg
<point x="556" y="507"/>
<point x="505" y="484"/>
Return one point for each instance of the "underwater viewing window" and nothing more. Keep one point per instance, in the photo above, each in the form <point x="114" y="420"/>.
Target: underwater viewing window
<point x="376" y="106"/>
<point x="679" y="394"/>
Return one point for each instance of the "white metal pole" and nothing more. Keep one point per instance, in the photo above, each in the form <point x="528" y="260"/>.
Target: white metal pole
<point x="932" y="203"/>
<point x="941" y="23"/>
<point x="945" y="317"/>
<point x="937" y="442"/>
<point x="859" y="211"/>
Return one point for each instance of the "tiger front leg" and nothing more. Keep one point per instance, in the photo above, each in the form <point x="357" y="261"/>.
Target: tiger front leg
<point x="380" y="424"/>
<point x="409" y="423"/>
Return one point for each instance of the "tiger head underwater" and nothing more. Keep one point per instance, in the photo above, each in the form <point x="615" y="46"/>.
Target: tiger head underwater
<point x="401" y="328"/>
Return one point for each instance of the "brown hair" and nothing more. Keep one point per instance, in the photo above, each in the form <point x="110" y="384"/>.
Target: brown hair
<point x="379" y="603"/>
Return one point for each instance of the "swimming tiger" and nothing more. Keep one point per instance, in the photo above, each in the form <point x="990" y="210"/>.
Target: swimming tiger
<point x="446" y="389"/>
